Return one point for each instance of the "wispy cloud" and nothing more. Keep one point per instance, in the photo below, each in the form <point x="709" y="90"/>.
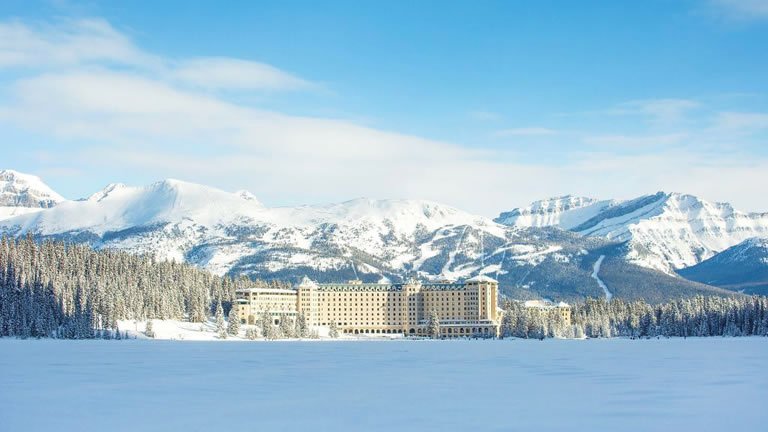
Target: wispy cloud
<point x="658" y="110"/>
<point x="236" y="74"/>
<point x="67" y="43"/>
<point x="95" y="42"/>
<point x="636" y="141"/>
<point x="741" y="9"/>
<point x="742" y="121"/>
<point x="525" y="131"/>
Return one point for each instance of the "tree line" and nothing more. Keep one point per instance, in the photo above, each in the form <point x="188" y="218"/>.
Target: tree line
<point x="60" y="290"/>
<point x="737" y="315"/>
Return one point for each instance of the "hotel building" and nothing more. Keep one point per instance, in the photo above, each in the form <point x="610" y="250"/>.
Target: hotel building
<point x="467" y="309"/>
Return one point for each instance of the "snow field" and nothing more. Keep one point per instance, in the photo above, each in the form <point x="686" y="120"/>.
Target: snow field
<point x="708" y="384"/>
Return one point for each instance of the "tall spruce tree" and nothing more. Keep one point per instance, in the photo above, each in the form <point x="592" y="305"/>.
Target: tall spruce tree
<point x="333" y="330"/>
<point x="149" y="329"/>
<point x="433" y="324"/>
<point x="286" y="328"/>
<point x="301" y="330"/>
<point x="221" y="326"/>
<point x="233" y="322"/>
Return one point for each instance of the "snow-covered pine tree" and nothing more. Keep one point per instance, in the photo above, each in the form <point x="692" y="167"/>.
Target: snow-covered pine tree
<point x="333" y="330"/>
<point x="433" y="324"/>
<point x="301" y="330"/>
<point x="286" y="327"/>
<point x="233" y="322"/>
<point x="265" y="323"/>
<point x="149" y="330"/>
<point x="221" y="326"/>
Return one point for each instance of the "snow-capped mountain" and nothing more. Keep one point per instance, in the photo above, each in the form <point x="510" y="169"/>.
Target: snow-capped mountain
<point x="364" y="238"/>
<point x="233" y="233"/>
<point x="565" y="212"/>
<point x="743" y="267"/>
<point x="664" y="231"/>
<point x="23" y="193"/>
<point x="217" y="229"/>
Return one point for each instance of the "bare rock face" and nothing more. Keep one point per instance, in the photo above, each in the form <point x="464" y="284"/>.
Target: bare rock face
<point x="24" y="190"/>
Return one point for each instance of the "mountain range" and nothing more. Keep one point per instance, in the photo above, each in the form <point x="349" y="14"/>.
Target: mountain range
<point x="563" y="248"/>
<point x="663" y="231"/>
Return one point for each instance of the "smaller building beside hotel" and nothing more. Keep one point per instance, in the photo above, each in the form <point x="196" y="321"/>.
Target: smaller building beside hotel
<point x="251" y="303"/>
<point x="544" y="305"/>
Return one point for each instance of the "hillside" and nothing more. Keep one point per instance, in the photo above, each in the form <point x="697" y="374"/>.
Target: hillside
<point x="742" y="268"/>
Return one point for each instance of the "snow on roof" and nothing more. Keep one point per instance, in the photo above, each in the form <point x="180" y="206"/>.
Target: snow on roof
<point x="482" y="278"/>
<point x="267" y="290"/>
<point x="307" y="282"/>
<point x="544" y="304"/>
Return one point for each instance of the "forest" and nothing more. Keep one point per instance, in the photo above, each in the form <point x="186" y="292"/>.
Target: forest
<point x="60" y="290"/>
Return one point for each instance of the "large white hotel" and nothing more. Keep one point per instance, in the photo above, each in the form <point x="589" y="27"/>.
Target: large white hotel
<point x="464" y="309"/>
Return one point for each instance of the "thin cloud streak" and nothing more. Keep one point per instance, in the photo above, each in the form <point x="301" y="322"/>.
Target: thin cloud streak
<point x="525" y="131"/>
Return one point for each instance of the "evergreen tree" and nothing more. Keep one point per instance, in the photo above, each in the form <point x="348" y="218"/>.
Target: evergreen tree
<point x="221" y="327"/>
<point x="301" y="330"/>
<point x="286" y="327"/>
<point x="149" y="330"/>
<point x="433" y="324"/>
<point x="265" y="322"/>
<point x="233" y="322"/>
<point x="333" y="330"/>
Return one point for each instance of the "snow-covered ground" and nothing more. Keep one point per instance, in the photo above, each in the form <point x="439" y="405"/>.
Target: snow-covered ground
<point x="711" y="384"/>
<point x="188" y="331"/>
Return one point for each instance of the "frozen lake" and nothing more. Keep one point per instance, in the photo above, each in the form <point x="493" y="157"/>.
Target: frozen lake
<point x="710" y="384"/>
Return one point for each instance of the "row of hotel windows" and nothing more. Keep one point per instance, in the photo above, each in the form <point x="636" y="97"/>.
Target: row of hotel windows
<point x="442" y="306"/>
<point x="450" y="331"/>
<point x="384" y="301"/>
<point x="397" y="294"/>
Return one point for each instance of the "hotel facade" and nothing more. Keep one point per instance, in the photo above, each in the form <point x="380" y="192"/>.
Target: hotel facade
<point x="467" y="309"/>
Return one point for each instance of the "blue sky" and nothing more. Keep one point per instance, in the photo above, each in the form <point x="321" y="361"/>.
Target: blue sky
<point x="482" y="105"/>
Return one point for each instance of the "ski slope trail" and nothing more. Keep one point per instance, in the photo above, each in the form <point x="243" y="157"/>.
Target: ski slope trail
<point x="595" y="271"/>
<point x="452" y="255"/>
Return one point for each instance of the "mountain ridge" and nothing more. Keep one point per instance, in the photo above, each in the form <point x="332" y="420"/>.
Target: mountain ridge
<point x="363" y="238"/>
<point x="664" y="231"/>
